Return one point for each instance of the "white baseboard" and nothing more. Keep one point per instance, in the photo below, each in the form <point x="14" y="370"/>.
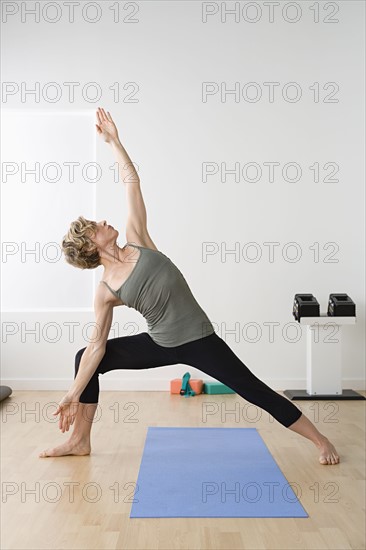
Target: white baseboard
<point x="107" y="383"/>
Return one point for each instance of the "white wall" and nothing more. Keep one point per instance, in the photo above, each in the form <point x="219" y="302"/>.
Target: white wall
<point x="160" y="55"/>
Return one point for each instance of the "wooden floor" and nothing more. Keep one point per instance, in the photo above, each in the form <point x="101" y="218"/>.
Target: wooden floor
<point x="84" y="502"/>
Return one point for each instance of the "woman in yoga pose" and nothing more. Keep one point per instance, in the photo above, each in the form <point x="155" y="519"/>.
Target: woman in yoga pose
<point x="179" y="331"/>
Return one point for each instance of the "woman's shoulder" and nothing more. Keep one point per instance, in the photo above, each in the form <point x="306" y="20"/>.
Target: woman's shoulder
<point x="144" y="241"/>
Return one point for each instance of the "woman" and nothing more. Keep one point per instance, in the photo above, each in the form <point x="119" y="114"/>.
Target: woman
<point x="179" y="331"/>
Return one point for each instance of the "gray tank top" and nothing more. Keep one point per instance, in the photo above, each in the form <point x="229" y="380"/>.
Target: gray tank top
<point x="157" y="289"/>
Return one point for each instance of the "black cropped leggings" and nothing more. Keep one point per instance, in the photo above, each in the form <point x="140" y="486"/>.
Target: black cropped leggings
<point x="210" y="354"/>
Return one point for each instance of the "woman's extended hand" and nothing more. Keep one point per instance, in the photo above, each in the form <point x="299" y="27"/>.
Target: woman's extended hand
<point x="106" y="128"/>
<point x="67" y="408"/>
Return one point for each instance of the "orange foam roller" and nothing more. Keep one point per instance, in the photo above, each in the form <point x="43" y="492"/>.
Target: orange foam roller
<point x="195" y="383"/>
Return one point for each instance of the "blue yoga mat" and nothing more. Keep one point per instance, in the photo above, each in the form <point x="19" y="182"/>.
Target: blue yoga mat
<point x="211" y="472"/>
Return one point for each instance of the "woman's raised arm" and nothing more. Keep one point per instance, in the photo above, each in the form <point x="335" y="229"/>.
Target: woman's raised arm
<point x="136" y="223"/>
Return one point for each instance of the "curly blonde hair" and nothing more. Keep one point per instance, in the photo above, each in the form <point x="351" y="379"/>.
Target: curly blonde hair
<point x="79" y="249"/>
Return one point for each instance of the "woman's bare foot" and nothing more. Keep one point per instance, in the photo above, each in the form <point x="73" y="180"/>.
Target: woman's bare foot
<point x="328" y="454"/>
<point x="304" y="427"/>
<point x="71" y="447"/>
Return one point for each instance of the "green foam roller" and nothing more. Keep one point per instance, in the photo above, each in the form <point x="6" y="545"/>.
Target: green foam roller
<point x="216" y="387"/>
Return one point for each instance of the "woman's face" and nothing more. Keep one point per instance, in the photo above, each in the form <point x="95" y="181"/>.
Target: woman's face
<point x="105" y="234"/>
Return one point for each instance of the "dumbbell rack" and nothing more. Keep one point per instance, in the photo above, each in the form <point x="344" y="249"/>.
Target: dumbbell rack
<point x="323" y="359"/>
